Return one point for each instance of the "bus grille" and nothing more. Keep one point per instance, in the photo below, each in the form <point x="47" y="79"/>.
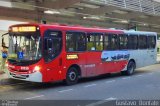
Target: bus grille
<point x="19" y="76"/>
<point x="19" y="70"/>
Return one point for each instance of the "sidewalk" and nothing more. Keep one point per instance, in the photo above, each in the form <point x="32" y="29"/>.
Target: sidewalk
<point x="3" y="75"/>
<point x="3" y="78"/>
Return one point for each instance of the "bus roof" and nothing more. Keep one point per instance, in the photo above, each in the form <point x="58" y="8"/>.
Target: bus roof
<point x="139" y="32"/>
<point x="87" y="29"/>
<point x="72" y="28"/>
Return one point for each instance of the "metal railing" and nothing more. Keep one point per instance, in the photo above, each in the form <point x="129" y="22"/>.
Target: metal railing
<point x="147" y="6"/>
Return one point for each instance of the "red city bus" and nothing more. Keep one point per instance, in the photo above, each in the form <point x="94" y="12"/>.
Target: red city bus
<point x="48" y="53"/>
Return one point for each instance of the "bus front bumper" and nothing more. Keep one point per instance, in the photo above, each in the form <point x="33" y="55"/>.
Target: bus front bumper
<point x="33" y="77"/>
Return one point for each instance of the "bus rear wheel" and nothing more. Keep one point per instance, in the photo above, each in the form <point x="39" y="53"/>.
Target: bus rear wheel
<point x="72" y="76"/>
<point x="130" y="68"/>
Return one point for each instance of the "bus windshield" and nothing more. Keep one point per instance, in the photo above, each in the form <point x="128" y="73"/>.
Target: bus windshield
<point x="24" y="47"/>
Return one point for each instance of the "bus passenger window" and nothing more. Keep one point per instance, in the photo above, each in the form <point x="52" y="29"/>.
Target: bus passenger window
<point x="151" y="42"/>
<point x="106" y="42"/>
<point x="142" y="42"/>
<point x="70" y="44"/>
<point x="81" y="42"/>
<point x="90" y="43"/>
<point x="75" y="41"/>
<point x="114" y="42"/>
<point x="123" y="41"/>
<point x="99" y="42"/>
<point x="95" y="42"/>
<point x="132" y="42"/>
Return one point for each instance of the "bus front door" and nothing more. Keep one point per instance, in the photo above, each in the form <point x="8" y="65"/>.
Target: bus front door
<point x="52" y="55"/>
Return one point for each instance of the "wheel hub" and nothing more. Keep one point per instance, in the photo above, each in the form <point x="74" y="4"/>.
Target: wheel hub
<point x="72" y="76"/>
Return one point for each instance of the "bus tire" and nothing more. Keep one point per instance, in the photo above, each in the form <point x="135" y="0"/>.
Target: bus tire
<point x="72" y="76"/>
<point x="130" y="68"/>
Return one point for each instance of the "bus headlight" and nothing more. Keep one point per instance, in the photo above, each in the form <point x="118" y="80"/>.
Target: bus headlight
<point x="36" y="68"/>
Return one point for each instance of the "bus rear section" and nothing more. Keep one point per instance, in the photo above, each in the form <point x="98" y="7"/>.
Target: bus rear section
<point x="142" y="47"/>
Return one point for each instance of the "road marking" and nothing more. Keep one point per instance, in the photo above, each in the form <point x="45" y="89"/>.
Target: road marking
<point x="110" y="81"/>
<point x="139" y="75"/>
<point x="126" y="78"/>
<point x="34" y="97"/>
<point x="101" y="102"/>
<point x="150" y="73"/>
<point x="65" y="90"/>
<point x="90" y="85"/>
<point x="111" y="98"/>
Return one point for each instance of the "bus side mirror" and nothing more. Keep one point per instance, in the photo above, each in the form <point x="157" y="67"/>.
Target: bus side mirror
<point x="4" y="36"/>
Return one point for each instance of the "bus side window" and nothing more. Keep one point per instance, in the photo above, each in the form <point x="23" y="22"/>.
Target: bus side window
<point x="123" y="41"/>
<point x="106" y="42"/>
<point x="95" y="41"/>
<point x="114" y="42"/>
<point x="142" y="42"/>
<point x="132" y="42"/>
<point x="151" y="42"/>
<point x="99" y="42"/>
<point x="90" y="43"/>
<point x="70" y="44"/>
<point x="111" y="42"/>
<point x="81" y="42"/>
<point x="75" y="41"/>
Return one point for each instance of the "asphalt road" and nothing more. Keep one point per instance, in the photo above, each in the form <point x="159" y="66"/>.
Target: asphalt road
<point x="143" y="85"/>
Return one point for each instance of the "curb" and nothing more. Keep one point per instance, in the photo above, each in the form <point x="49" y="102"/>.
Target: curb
<point x="3" y="77"/>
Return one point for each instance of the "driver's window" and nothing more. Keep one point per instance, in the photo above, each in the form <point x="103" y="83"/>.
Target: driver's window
<point x="48" y="44"/>
<point x="52" y="44"/>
